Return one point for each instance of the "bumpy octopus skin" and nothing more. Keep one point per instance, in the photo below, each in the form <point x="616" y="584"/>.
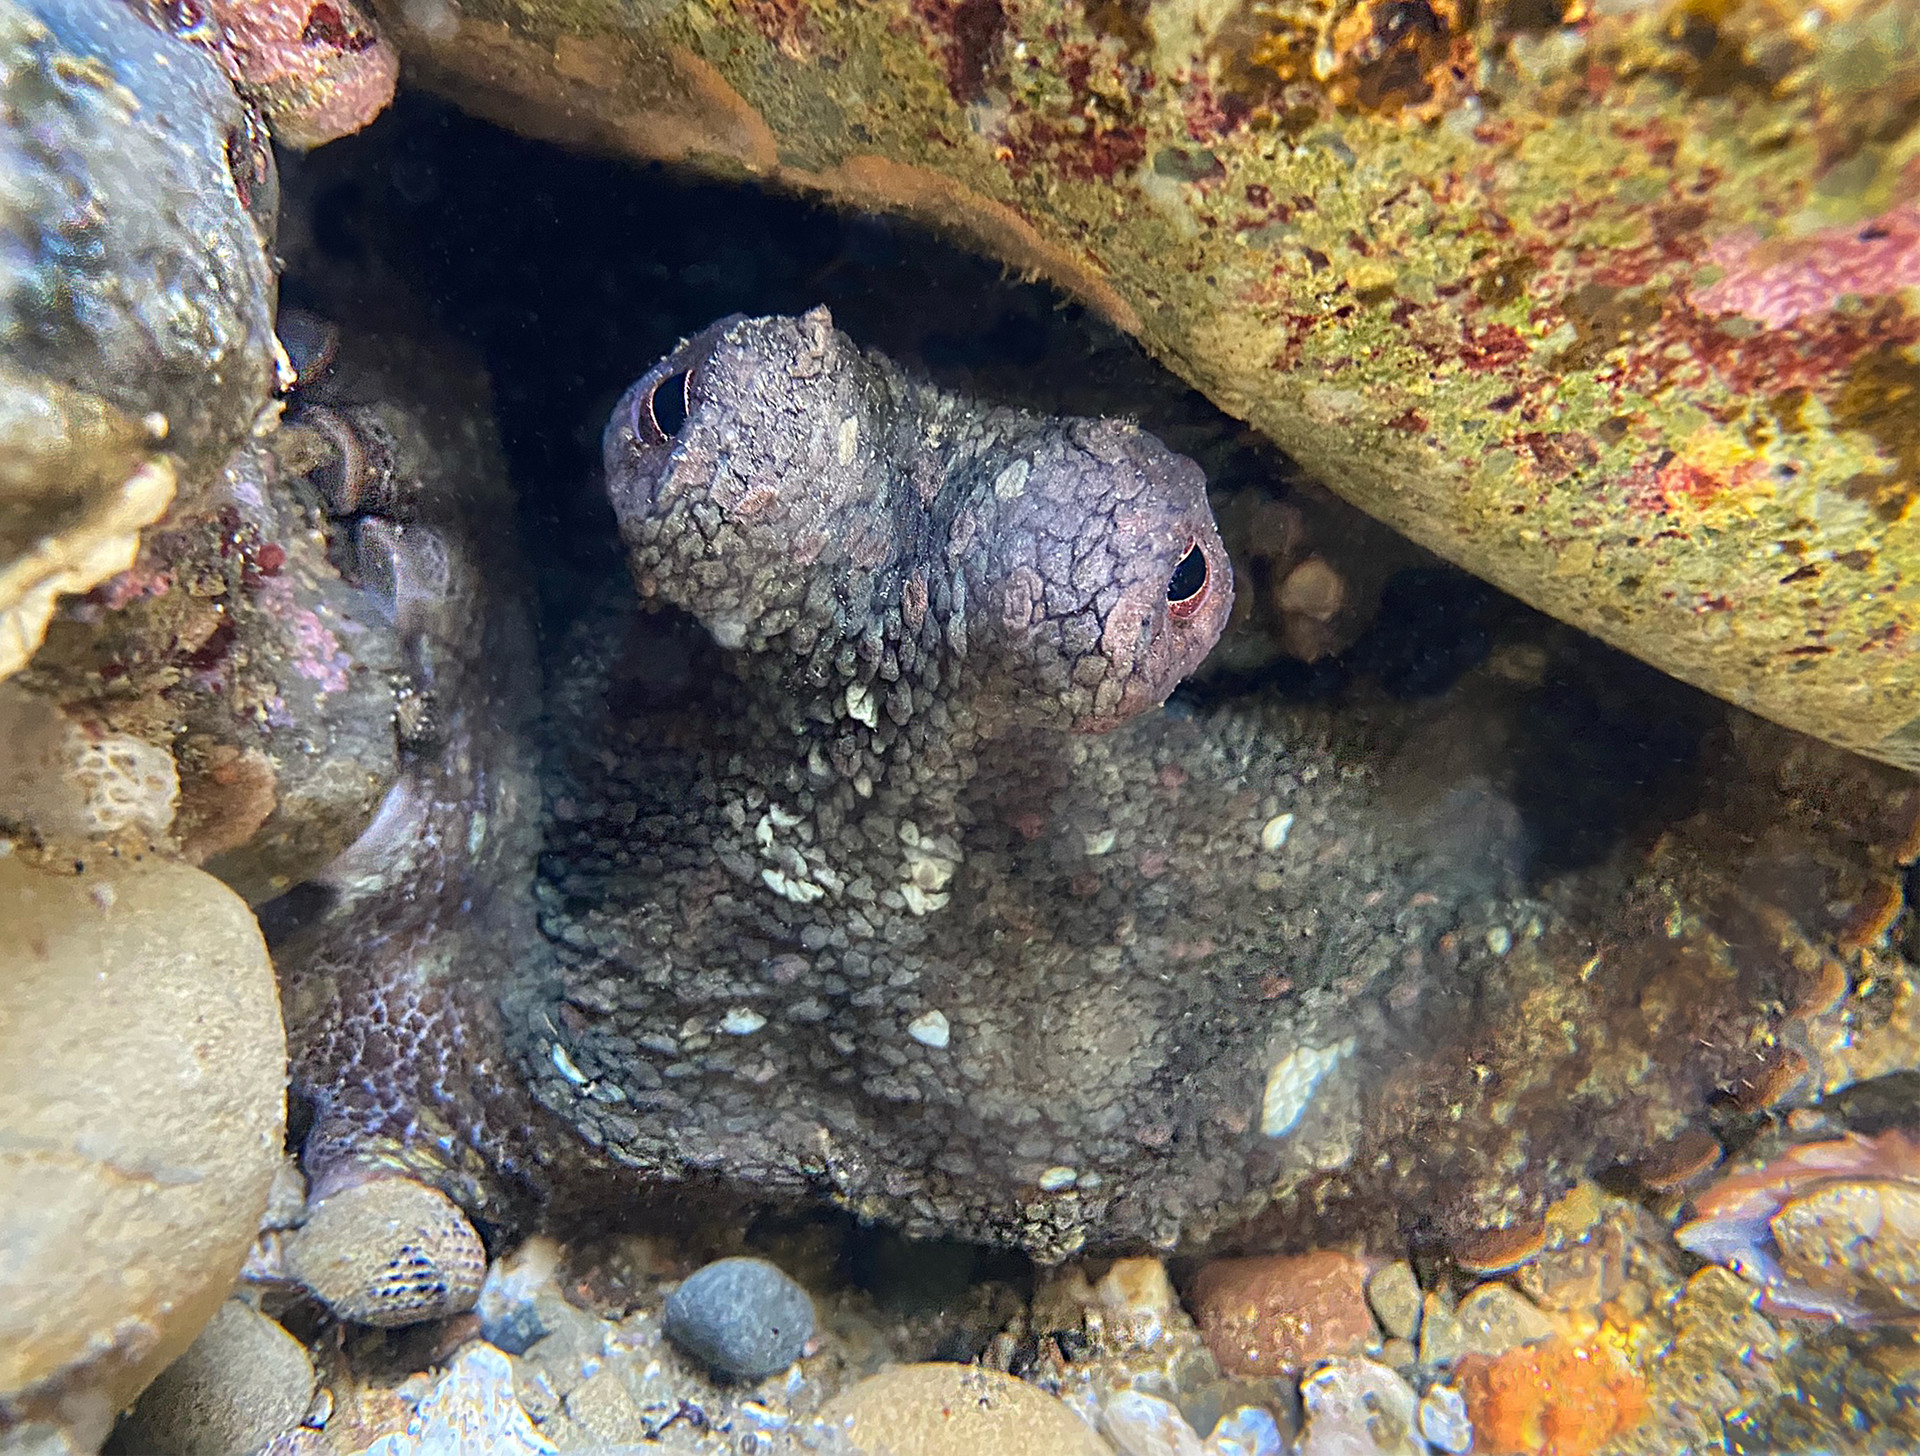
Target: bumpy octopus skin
<point x="861" y="867"/>
<point x="917" y="905"/>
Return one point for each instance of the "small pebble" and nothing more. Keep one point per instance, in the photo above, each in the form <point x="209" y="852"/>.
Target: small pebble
<point x="1395" y="1296"/>
<point x="1580" y="1276"/>
<point x="1399" y="1353"/>
<point x="741" y="1317"/>
<point x="1140" y="1424"/>
<point x="1278" y="1313"/>
<point x="950" y="1410"/>
<point x="508" y="1304"/>
<point x="1442" y="1341"/>
<point x="1248" y="1431"/>
<point x="1358" y="1408"/>
<point x="1443" y="1420"/>
<point x="1499" y="940"/>
<point x="1496" y="1318"/>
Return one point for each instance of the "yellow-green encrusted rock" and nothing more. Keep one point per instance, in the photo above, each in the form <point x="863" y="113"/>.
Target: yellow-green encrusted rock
<point x="1614" y="303"/>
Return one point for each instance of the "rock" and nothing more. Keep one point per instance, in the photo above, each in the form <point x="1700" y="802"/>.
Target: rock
<point x="1394" y="1294"/>
<point x="1274" y="1314"/>
<point x="243" y="1382"/>
<point x="508" y="1305"/>
<point x="1741" y="301"/>
<point x="1496" y="1318"/>
<point x="1248" y="1431"/>
<point x="301" y="1441"/>
<point x="1140" y="1424"/>
<point x="1138" y="1293"/>
<point x="742" y="1318"/>
<point x="1358" y="1408"/>
<point x="388" y="1252"/>
<point x="1443" y="1420"/>
<point x="136" y="332"/>
<point x="317" y="68"/>
<point x="471" y="1410"/>
<point x="232" y="603"/>
<point x="951" y="1410"/>
<point x="1581" y="1276"/>
<point x="604" y="1408"/>
<point x="1828" y="1229"/>
<point x="1441" y="1338"/>
<point x="142" y="1076"/>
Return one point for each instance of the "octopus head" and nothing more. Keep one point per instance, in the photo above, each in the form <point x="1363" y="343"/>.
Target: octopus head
<point x="1101" y="577"/>
<point x="777" y="482"/>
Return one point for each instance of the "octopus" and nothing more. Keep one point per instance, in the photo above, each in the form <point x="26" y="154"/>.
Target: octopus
<point x="858" y="847"/>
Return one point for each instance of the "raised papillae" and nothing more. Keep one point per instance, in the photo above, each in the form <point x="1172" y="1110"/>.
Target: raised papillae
<point x="903" y="548"/>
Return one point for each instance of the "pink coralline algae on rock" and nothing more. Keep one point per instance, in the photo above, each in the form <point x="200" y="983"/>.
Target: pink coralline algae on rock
<point x="1778" y="282"/>
<point x="318" y="68"/>
<point x="1829" y="1230"/>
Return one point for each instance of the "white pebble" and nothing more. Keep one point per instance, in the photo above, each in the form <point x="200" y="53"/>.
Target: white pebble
<point x="1057" y="1177"/>
<point x="742" y="1021"/>
<point x="1499" y="939"/>
<point x="929" y="1030"/>
<point x="1249" y="1431"/>
<point x="1444" y="1421"/>
<point x="1356" y="1406"/>
<point x="1273" y="834"/>
<point x="1145" y="1425"/>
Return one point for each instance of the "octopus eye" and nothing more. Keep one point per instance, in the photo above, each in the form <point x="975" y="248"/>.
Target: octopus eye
<point x="668" y="404"/>
<point x="1187" y="587"/>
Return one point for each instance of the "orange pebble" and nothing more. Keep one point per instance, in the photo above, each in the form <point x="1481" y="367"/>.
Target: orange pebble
<point x="1555" y="1399"/>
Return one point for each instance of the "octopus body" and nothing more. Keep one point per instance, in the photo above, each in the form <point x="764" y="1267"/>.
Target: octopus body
<point x="854" y="856"/>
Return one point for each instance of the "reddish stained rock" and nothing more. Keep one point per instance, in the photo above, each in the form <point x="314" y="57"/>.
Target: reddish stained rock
<point x="318" y="68"/>
<point x="1276" y="1314"/>
<point x="1614" y="305"/>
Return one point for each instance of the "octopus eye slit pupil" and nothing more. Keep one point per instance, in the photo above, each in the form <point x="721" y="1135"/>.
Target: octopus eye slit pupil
<point x="670" y="402"/>
<point x="1188" y="584"/>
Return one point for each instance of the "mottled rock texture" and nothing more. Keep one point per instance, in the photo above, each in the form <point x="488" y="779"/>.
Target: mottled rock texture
<point x="243" y="1382"/>
<point x="142" y="1088"/>
<point x="136" y="210"/>
<point x="950" y="1410"/>
<point x="1613" y="304"/>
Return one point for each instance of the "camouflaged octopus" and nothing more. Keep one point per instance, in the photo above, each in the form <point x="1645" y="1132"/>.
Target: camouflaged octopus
<point x="856" y="859"/>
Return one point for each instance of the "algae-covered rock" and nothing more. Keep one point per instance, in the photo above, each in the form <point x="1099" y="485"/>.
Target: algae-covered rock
<point x="136" y="300"/>
<point x="1613" y="303"/>
<point x="142" y="1089"/>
